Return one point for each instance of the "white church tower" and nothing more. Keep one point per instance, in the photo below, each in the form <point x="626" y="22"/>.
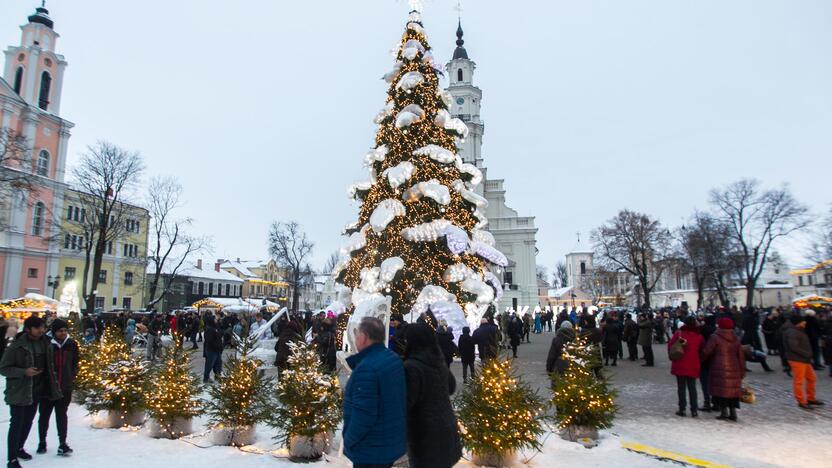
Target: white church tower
<point x="515" y="235"/>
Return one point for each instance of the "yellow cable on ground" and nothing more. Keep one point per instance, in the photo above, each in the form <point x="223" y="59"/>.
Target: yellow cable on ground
<point x="659" y="453"/>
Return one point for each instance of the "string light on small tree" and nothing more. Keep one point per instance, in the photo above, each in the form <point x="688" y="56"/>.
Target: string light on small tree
<point x="582" y="397"/>
<point x="498" y="412"/>
<point x="173" y="393"/>
<point x="308" y="399"/>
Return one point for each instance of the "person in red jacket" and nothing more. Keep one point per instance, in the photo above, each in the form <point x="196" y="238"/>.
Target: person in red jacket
<point x="686" y="369"/>
<point x="727" y="369"/>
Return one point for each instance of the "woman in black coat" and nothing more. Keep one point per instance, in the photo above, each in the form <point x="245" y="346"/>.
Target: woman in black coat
<point x="770" y="327"/>
<point x="432" y="433"/>
<point x="611" y="340"/>
<point x="445" y="337"/>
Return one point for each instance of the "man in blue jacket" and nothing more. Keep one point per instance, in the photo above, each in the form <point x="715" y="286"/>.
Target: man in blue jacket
<point x="375" y="428"/>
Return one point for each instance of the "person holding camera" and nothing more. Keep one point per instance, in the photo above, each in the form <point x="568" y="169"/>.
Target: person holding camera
<point x="30" y="376"/>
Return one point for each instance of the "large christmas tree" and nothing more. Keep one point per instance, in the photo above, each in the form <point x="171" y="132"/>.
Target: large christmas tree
<point x="419" y="238"/>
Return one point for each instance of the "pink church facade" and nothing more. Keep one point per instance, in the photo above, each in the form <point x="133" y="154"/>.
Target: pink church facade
<point x="30" y="100"/>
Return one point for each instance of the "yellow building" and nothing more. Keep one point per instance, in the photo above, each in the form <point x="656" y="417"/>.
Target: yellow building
<point x="263" y="278"/>
<point x="121" y="284"/>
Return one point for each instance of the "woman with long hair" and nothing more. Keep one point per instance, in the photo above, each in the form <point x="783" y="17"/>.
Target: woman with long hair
<point x="432" y="436"/>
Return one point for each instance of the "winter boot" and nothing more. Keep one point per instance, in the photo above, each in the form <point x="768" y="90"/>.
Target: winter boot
<point x="64" y="450"/>
<point x="733" y="415"/>
<point x="723" y="413"/>
<point x="694" y="413"/>
<point x="41" y="448"/>
<point x="23" y="454"/>
<point x="14" y="464"/>
<point x="681" y="412"/>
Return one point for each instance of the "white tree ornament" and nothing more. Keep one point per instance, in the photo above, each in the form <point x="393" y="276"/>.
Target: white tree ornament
<point x="484" y="293"/>
<point x="411" y="49"/>
<point x="426" y="232"/>
<point x="456" y="238"/>
<point x="370" y="281"/>
<point x="479" y="201"/>
<point x="391" y="75"/>
<point x="409" y="115"/>
<point x="489" y="253"/>
<point x="470" y="169"/>
<point x="429" y="295"/>
<point x="385" y="112"/>
<point x="389" y="268"/>
<point x="478" y="235"/>
<point x="437" y="153"/>
<point x="495" y="282"/>
<point x="399" y="174"/>
<point x="356" y="241"/>
<point x="456" y="273"/>
<point x="431" y="189"/>
<point x="410" y="80"/>
<point x="377" y="154"/>
<point x="452" y="314"/>
<point x="385" y="212"/>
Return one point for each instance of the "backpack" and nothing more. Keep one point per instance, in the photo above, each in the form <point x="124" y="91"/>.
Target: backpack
<point x="677" y="350"/>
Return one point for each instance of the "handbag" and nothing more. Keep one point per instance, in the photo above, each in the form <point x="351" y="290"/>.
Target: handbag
<point x="748" y="395"/>
<point x="677" y="350"/>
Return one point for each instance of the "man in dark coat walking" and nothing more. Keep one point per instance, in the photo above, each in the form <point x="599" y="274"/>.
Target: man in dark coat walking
<point x="466" y="353"/>
<point x="645" y="338"/>
<point x="610" y="340"/>
<point x="375" y="405"/>
<point x="486" y="339"/>
<point x="630" y="335"/>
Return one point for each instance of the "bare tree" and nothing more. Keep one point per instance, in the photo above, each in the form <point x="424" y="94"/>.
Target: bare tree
<point x="16" y="177"/>
<point x="757" y="218"/>
<point x="107" y="175"/>
<point x="560" y="277"/>
<point x="542" y="273"/>
<point x="331" y="261"/>
<point x="170" y="244"/>
<point x="290" y="248"/>
<point x="821" y="249"/>
<point x="635" y="243"/>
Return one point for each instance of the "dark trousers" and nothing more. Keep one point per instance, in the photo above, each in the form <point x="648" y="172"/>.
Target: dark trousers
<point x="213" y="361"/>
<point x="45" y="409"/>
<point x="372" y="465"/>
<point x="19" y="426"/>
<point x="465" y="367"/>
<point x="632" y="349"/>
<point x="648" y="354"/>
<point x="689" y="384"/>
<point x="621" y="349"/>
<point x="703" y="381"/>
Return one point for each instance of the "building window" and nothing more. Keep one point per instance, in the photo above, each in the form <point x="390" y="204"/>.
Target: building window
<point x="800" y="281"/>
<point x="210" y="289"/>
<point x="459" y="75"/>
<point x="201" y="288"/>
<point x="115" y="301"/>
<point x="99" y="302"/>
<point x="18" y="79"/>
<point x="508" y="278"/>
<point x="227" y="289"/>
<point x="45" y="84"/>
<point x="126" y="302"/>
<point x="69" y="273"/>
<point x="811" y="280"/>
<point x="128" y="278"/>
<point x="109" y="247"/>
<point x="583" y="268"/>
<point x="102" y="276"/>
<point x="37" y="218"/>
<point x="43" y="163"/>
<point x="32" y="273"/>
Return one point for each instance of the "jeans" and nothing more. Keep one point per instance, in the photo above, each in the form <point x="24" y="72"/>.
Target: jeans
<point x="689" y="384"/>
<point x="153" y="342"/>
<point x="45" y="410"/>
<point x="19" y="426"/>
<point x="648" y="354"/>
<point x="465" y="367"/>
<point x="213" y="361"/>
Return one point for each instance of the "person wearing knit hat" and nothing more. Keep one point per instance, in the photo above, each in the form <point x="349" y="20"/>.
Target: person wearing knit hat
<point x="65" y="357"/>
<point x="726" y="361"/>
<point x="798" y="351"/>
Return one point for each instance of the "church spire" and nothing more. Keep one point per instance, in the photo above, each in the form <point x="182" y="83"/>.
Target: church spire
<point x="41" y="16"/>
<point x="460" y="52"/>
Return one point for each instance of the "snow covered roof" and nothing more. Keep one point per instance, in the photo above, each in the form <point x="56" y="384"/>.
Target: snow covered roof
<point x="191" y="271"/>
<point x="580" y="249"/>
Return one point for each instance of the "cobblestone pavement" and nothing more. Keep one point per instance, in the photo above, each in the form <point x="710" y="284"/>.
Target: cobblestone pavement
<point x="771" y="432"/>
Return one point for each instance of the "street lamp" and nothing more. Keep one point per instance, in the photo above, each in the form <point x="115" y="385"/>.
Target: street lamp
<point x="53" y="283"/>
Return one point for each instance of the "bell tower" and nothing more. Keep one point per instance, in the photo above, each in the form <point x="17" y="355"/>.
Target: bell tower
<point x="466" y="99"/>
<point x="33" y="69"/>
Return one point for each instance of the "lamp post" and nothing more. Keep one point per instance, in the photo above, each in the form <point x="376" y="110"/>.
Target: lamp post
<point x="53" y="282"/>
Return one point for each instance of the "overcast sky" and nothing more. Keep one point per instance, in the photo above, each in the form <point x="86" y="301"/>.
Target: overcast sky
<point x="263" y="109"/>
